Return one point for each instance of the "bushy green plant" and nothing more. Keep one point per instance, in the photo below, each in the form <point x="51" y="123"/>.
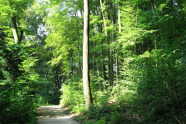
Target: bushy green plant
<point x="101" y="97"/>
<point x="16" y="107"/>
<point x="72" y="95"/>
<point x="101" y="111"/>
<point x="96" y="122"/>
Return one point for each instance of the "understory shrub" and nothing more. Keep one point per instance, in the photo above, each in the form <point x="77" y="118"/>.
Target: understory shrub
<point x="16" y="107"/>
<point x="72" y="96"/>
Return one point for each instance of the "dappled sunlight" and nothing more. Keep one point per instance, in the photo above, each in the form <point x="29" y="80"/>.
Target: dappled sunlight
<point x="107" y="61"/>
<point x="51" y="112"/>
<point x="54" y="114"/>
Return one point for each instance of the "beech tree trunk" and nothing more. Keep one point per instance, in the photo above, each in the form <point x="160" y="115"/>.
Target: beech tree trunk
<point x="103" y="16"/>
<point x="17" y="37"/>
<point x="86" y="81"/>
<point x="14" y="29"/>
<point x="119" y="17"/>
<point x="117" y="51"/>
<point x="111" y="72"/>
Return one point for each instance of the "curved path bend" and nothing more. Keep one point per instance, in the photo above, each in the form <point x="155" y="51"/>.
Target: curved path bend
<point x="54" y="115"/>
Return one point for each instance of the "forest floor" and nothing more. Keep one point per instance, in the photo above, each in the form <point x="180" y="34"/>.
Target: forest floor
<point x="54" y="115"/>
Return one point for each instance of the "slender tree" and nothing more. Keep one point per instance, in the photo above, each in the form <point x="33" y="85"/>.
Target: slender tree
<point x="86" y="81"/>
<point x="14" y="29"/>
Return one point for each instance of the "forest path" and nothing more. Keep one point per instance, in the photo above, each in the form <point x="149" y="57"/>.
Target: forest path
<point x="54" y="115"/>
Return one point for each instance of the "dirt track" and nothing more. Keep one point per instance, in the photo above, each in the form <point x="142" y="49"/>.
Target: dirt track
<point x="54" y="115"/>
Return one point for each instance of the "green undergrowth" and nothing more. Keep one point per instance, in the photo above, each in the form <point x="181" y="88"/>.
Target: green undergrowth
<point x="121" y="105"/>
<point x="106" y="107"/>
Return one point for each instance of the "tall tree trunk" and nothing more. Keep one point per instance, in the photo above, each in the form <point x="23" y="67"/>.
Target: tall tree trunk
<point x="14" y="29"/>
<point x="111" y="76"/>
<point x="119" y="17"/>
<point x="153" y="11"/>
<point x="117" y="45"/>
<point x="103" y="15"/>
<point x="155" y="41"/>
<point x="86" y="80"/>
<point x="17" y="38"/>
<point x="105" y="27"/>
<point x="102" y="60"/>
<point x="153" y="6"/>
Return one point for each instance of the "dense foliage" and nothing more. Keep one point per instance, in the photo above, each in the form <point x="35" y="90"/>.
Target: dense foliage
<point x="137" y="58"/>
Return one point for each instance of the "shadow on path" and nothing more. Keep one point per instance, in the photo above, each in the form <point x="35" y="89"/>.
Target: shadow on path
<point x="54" y="115"/>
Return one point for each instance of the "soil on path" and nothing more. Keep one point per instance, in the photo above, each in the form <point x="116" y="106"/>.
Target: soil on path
<point x="54" y="115"/>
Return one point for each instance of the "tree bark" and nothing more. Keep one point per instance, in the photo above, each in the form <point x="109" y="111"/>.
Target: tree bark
<point x="117" y="51"/>
<point x="103" y="15"/>
<point x="111" y="72"/>
<point x="106" y="37"/>
<point x="153" y="6"/>
<point x="119" y="17"/>
<point x="102" y="60"/>
<point x="86" y="80"/>
<point x="14" y="29"/>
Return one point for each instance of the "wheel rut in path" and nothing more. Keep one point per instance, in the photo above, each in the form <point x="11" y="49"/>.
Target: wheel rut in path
<point x="53" y="115"/>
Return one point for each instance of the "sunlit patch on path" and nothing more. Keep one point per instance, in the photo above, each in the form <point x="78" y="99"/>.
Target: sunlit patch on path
<point x="54" y="115"/>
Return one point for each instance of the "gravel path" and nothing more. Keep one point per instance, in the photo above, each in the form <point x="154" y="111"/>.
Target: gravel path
<point x="54" y="115"/>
